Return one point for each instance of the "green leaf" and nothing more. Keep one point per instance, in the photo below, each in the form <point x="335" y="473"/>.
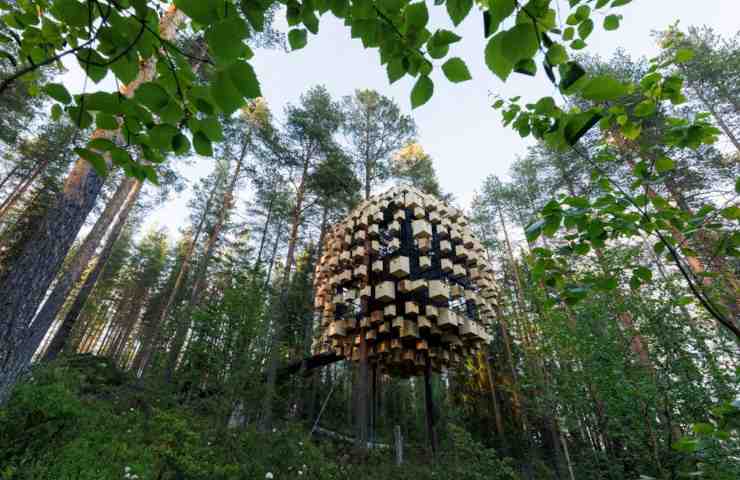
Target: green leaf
<point x="180" y="144"/>
<point x="611" y="22"/>
<point x="102" y="102"/>
<point x="162" y="136"/>
<point x="56" y="112"/>
<point x="439" y="44"/>
<point x="243" y="76"/>
<point x="495" y="59"/>
<point x="702" y="428"/>
<point x="92" y="63"/>
<point x="534" y="230"/>
<point x="585" y="28"/>
<point x="572" y="76"/>
<point x="95" y="159"/>
<point x="604" y="88"/>
<point x="500" y="10"/>
<point x="395" y="70"/>
<point x="203" y="12"/>
<point x="58" y="92"/>
<point x="645" y="108"/>
<point x="520" y="43"/>
<point x="731" y="213"/>
<point x="557" y="54"/>
<point x="212" y="128"/>
<point x="126" y="68"/>
<point x="150" y="174"/>
<point x="458" y="10"/>
<point x="202" y="145"/>
<point x="422" y="91"/>
<point x="416" y="16"/>
<point x="578" y="44"/>
<point x="526" y="67"/>
<point x="106" y="121"/>
<point x="684" y="55"/>
<point x="455" y="70"/>
<point x="664" y="164"/>
<point x="643" y="274"/>
<point x="297" y="38"/>
<point x="71" y="12"/>
<point x="737" y="185"/>
<point x="578" y="125"/>
<point x="152" y="95"/>
<point x="255" y="13"/>
<point x="81" y="118"/>
<point x="233" y="85"/>
<point x="225" y="39"/>
<point x="101" y="145"/>
<point x="609" y="283"/>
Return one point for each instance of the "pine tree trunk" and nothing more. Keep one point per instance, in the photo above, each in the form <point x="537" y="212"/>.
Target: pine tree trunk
<point x="61" y="337"/>
<point x="200" y="275"/>
<point x="126" y="194"/>
<point x="29" y="276"/>
<point x="181" y="329"/>
<point x="718" y="118"/>
<point x="258" y="261"/>
<point x="277" y="333"/>
<point x="275" y="245"/>
<point x="31" y="273"/>
<point x="10" y="175"/>
<point x="21" y="188"/>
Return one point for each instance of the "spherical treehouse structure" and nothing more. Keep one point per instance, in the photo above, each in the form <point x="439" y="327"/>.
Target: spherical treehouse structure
<point x="404" y="274"/>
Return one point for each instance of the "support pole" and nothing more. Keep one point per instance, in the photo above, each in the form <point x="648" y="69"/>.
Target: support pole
<point x="398" y="444"/>
<point x="362" y="394"/>
<point x="373" y="403"/>
<point x="430" y="405"/>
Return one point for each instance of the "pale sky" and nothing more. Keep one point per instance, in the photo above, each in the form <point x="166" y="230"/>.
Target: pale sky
<point x="457" y="127"/>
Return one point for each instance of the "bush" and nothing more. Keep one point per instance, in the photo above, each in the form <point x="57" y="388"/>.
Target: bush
<point x="79" y="420"/>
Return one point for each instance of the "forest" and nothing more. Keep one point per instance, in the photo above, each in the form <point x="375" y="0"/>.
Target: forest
<point x="609" y="347"/>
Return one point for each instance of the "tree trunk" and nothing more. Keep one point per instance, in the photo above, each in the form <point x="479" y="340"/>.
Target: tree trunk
<point x="181" y="327"/>
<point x="277" y="333"/>
<point x="29" y="276"/>
<point x="718" y="118"/>
<point x="199" y="278"/>
<point x="21" y="188"/>
<point x="126" y="194"/>
<point x="258" y="261"/>
<point x="275" y="245"/>
<point x="62" y="335"/>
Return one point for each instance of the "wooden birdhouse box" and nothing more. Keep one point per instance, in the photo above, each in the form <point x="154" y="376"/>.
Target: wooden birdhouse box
<point x="438" y="290"/>
<point x="421" y="229"/>
<point x="399" y="267"/>
<point x="385" y="291"/>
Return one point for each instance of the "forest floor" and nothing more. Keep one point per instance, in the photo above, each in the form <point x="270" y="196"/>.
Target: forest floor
<point x="81" y="418"/>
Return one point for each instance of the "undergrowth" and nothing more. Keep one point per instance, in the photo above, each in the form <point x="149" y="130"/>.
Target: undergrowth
<point x="83" y="419"/>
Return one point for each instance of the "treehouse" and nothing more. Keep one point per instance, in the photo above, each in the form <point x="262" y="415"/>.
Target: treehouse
<point x="404" y="274"/>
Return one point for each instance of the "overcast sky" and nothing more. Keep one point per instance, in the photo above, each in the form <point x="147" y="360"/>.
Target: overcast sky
<point x="457" y="127"/>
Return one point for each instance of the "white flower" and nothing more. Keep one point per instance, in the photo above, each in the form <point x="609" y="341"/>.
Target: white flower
<point x="127" y="469"/>
<point x="300" y="472"/>
<point x="269" y="475"/>
<point x="274" y="430"/>
<point x="134" y="477"/>
<point x="300" y="443"/>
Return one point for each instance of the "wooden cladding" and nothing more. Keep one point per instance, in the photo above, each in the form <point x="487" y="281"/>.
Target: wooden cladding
<point x="406" y="272"/>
